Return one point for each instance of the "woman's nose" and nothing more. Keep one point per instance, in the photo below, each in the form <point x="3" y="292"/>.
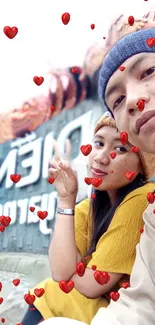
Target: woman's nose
<point x="102" y="159"/>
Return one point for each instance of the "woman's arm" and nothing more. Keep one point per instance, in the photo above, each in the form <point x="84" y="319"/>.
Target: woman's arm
<point x="88" y="286"/>
<point x="63" y="253"/>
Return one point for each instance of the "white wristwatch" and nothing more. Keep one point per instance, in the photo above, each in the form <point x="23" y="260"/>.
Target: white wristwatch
<point x="70" y="212"/>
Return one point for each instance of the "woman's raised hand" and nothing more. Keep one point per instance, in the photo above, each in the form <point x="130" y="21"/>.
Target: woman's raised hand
<point x="65" y="179"/>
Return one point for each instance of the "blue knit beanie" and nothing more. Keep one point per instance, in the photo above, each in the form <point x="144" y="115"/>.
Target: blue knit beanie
<point x="126" y="47"/>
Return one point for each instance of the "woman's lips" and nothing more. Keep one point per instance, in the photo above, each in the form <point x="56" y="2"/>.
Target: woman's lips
<point x="97" y="172"/>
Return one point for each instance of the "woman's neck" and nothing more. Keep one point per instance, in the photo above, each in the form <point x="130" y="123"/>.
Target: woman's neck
<point x="112" y="196"/>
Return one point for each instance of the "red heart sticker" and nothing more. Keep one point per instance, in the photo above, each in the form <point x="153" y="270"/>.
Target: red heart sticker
<point x="124" y="138"/>
<point x="50" y="180"/>
<point x="42" y="214"/>
<point x="121" y="68"/>
<point x="16" y="282"/>
<point x="141" y="230"/>
<point x="80" y="269"/>
<point x="106" y="277"/>
<point x="113" y="155"/>
<point x="130" y="175"/>
<point x="2" y="228"/>
<point x="38" y="80"/>
<point x="52" y="108"/>
<point x="3" y="320"/>
<point x="65" y="18"/>
<point x="114" y="295"/>
<point x="10" y="32"/>
<point x="86" y="149"/>
<point x="96" y="181"/>
<point x="100" y="277"/>
<point x="94" y="267"/>
<point x="125" y="285"/>
<point x="1" y="300"/>
<point x="29" y="299"/>
<point x="39" y="292"/>
<point x="75" y="70"/>
<point x="151" y="41"/>
<point x="66" y="286"/>
<point x="15" y="177"/>
<point x="134" y="149"/>
<point x="32" y="209"/>
<point x="141" y="105"/>
<point x="5" y="221"/>
<point x="92" y="26"/>
<point x="87" y="180"/>
<point x="150" y="197"/>
<point x="93" y="196"/>
<point x="131" y="20"/>
<point x="1" y="286"/>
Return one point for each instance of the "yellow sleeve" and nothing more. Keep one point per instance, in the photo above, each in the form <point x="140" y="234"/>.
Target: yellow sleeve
<point x="81" y="226"/>
<point x="116" y="249"/>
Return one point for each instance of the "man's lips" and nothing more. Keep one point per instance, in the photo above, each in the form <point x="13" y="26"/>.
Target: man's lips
<point x="143" y="119"/>
<point x="98" y="171"/>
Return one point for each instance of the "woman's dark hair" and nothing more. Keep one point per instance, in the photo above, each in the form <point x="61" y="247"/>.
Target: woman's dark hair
<point x="103" y="212"/>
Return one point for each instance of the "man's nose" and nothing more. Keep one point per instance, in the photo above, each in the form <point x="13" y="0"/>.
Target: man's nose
<point x="133" y="96"/>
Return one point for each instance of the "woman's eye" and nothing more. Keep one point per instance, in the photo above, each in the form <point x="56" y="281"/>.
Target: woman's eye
<point x="148" y="72"/>
<point x="118" y="101"/>
<point x="121" y="149"/>
<point x="98" y="143"/>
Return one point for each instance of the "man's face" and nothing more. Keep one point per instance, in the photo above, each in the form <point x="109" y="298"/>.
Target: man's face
<point x="124" y="90"/>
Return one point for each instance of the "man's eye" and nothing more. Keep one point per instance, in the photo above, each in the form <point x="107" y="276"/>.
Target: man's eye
<point x="118" y="101"/>
<point x="121" y="149"/>
<point x="148" y="72"/>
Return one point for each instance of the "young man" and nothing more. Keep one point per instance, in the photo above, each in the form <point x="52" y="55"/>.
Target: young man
<point x="129" y="94"/>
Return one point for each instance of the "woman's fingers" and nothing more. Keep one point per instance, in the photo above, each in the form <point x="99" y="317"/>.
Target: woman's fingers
<point x="58" y="155"/>
<point x="53" y="164"/>
<point x="68" y="149"/>
<point x="54" y="172"/>
<point x="57" y="152"/>
<point x="65" y="165"/>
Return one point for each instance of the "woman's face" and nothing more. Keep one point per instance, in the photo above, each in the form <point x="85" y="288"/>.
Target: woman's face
<point x="105" y="142"/>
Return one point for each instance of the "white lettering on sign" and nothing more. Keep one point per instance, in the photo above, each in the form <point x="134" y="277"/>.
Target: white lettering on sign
<point x="10" y="209"/>
<point x="21" y="141"/>
<point x="36" y="166"/>
<point x="48" y="153"/>
<point x="46" y="202"/>
<point x="33" y="162"/>
<point x="8" y="167"/>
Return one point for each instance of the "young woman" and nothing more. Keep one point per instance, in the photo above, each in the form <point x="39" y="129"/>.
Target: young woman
<point x="103" y="232"/>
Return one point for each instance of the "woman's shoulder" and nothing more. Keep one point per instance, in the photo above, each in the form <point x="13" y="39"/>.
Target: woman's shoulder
<point x="139" y="194"/>
<point x="134" y="204"/>
<point x="148" y="187"/>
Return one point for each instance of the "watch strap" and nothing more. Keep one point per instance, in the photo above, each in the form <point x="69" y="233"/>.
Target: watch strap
<point x="66" y="211"/>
